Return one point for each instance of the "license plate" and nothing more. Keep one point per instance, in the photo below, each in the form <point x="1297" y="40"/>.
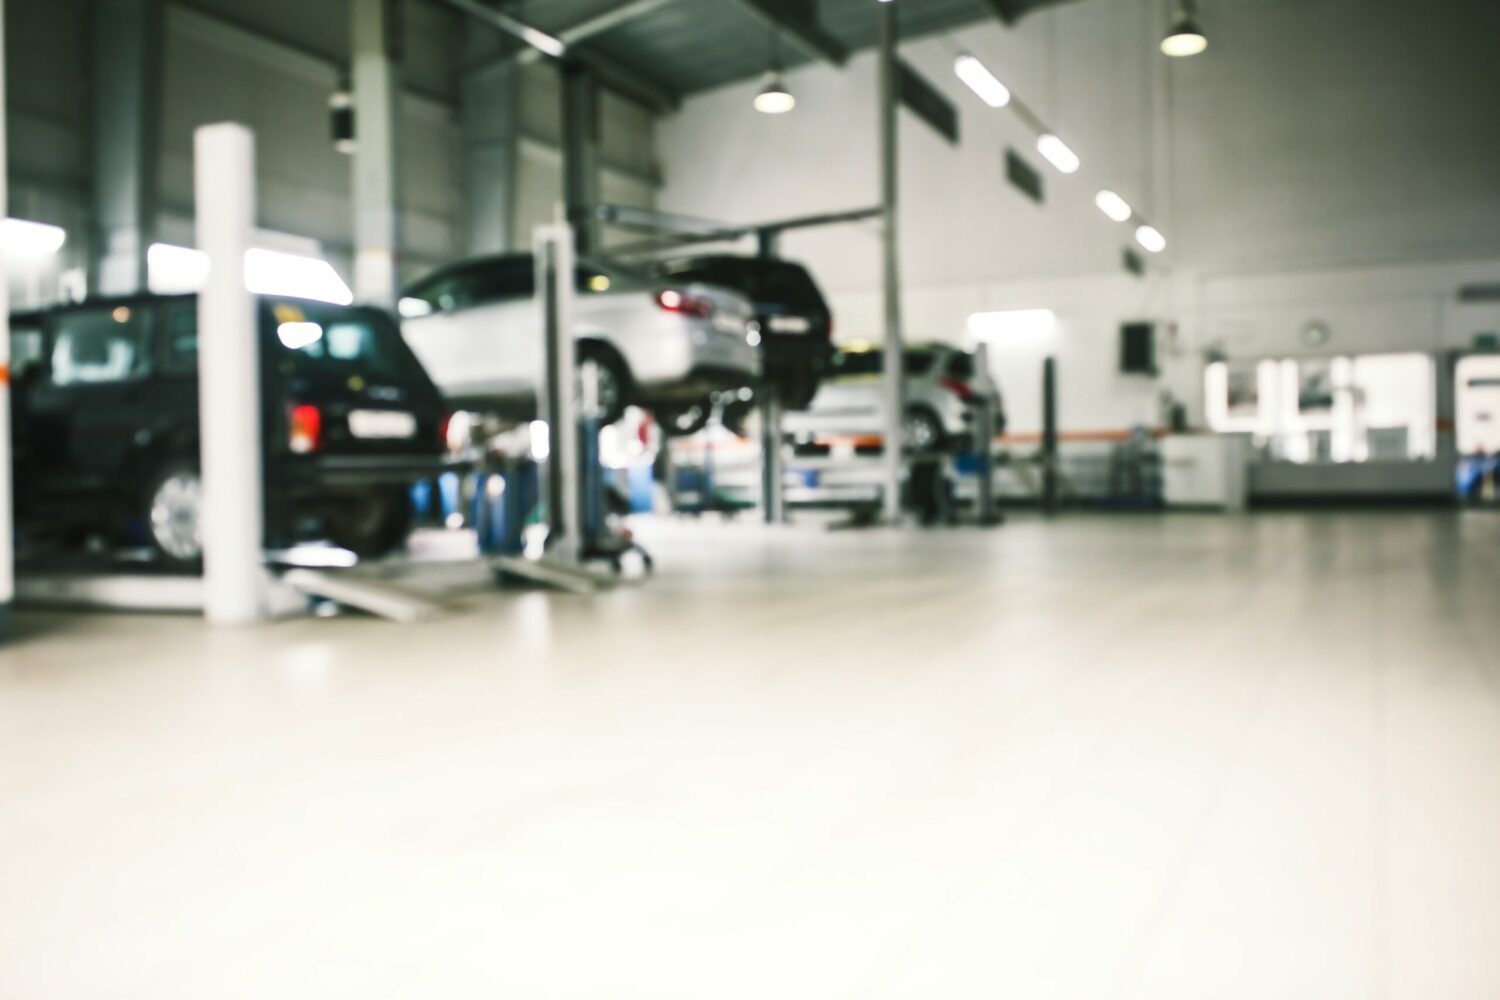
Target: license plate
<point x="790" y="324"/>
<point x="382" y="424"/>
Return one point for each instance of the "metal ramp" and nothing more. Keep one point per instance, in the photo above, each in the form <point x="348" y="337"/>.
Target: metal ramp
<point x="385" y="598"/>
<point x="565" y="576"/>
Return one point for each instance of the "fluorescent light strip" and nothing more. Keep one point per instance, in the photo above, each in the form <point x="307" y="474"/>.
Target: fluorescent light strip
<point x="980" y="80"/>
<point x="1113" y="205"/>
<point x="1057" y="153"/>
<point x="1151" y="238"/>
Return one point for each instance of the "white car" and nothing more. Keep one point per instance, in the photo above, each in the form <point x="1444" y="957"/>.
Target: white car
<point x="475" y="327"/>
<point x="942" y="384"/>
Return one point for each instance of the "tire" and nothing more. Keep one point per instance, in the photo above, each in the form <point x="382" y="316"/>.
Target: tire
<point x="615" y="385"/>
<point x="922" y="431"/>
<point x="685" y="421"/>
<point x="172" y="513"/>
<point x="736" y="417"/>
<point x="797" y="393"/>
<point x="372" y="526"/>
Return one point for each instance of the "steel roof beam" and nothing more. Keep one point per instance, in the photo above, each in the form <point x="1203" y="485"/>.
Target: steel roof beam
<point x="622" y="78"/>
<point x="796" y="25"/>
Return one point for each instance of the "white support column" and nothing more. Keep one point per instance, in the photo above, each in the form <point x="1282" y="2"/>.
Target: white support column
<point x="7" y="556"/>
<point x="229" y="379"/>
<point x="376" y="238"/>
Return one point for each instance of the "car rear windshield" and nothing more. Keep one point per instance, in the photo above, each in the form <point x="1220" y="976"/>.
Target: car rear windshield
<point x="765" y="282"/>
<point x="336" y="341"/>
<point x="917" y="363"/>
<point x="503" y="279"/>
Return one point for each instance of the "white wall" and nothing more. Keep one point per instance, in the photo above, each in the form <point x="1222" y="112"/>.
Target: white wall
<point x="1325" y="159"/>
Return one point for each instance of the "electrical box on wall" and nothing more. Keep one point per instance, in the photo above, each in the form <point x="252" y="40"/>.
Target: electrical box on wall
<point x="1138" y="349"/>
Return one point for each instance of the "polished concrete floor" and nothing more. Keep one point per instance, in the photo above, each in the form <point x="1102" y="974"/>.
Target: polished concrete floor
<point x="1175" y="757"/>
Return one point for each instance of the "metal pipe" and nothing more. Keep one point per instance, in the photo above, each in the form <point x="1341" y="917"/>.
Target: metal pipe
<point x="650" y="221"/>
<point x="1049" y="435"/>
<point x="773" y="467"/>
<point x="984" y="440"/>
<point x="893" y="396"/>
<point x="553" y="249"/>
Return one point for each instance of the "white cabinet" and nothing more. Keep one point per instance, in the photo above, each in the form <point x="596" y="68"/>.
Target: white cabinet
<point x="1205" y="470"/>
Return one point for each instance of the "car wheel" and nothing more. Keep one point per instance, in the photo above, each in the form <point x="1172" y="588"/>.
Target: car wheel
<point x="372" y="526"/>
<point x="736" y="417"/>
<point x="797" y="393"/>
<point x="173" y="513"/>
<point x="922" y="430"/>
<point x="613" y="379"/>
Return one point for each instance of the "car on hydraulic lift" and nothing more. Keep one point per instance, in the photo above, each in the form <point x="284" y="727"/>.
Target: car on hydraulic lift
<point x="795" y="327"/>
<point x="943" y="383"/>
<point x="665" y="345"/>
<point x="105" y="416"/>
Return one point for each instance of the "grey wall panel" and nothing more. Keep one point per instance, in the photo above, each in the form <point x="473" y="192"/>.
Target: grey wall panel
<point x="215" y="72"/>
<point x="47" y="78"/>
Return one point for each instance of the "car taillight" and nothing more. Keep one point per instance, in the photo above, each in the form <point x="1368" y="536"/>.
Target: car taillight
<point x="445" y="427"/>
<point x="959" y="388"/>
<point x="305" y="428"/>
<point x="672" y="300"/>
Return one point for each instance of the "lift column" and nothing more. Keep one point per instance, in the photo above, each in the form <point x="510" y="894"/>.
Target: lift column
<point x="229" y="379"/>
<point x="893" y="396"/>
<point x="580" y="154"/>
<point x="1049" y="435"/>
<point x="375" y="44"/>
<point x="7" y="556"/>
<point x="557" y="406"/>
<point x="772" y="461"/>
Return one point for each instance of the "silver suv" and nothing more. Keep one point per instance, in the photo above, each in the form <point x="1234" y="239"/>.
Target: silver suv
<point x="652" y="341"/>
<point x="942" y="383"/>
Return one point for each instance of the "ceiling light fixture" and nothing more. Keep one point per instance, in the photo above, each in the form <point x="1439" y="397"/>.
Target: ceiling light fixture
<point x="1185" y="37"/>
<point x="774" y="98"/>
<point x="1151" y="238"/>
<point x="1113" y="205"/>
<point x="1057" y="153"/>
<point x="980" y="80"/>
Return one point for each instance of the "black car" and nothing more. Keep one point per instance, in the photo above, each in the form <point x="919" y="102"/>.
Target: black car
<point x="105" y="424"/>
<point x="796" y="326"/>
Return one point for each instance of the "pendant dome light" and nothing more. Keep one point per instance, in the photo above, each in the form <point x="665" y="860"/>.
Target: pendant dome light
<point x="1185" y="37"/>
<point x="774" y="98"/>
